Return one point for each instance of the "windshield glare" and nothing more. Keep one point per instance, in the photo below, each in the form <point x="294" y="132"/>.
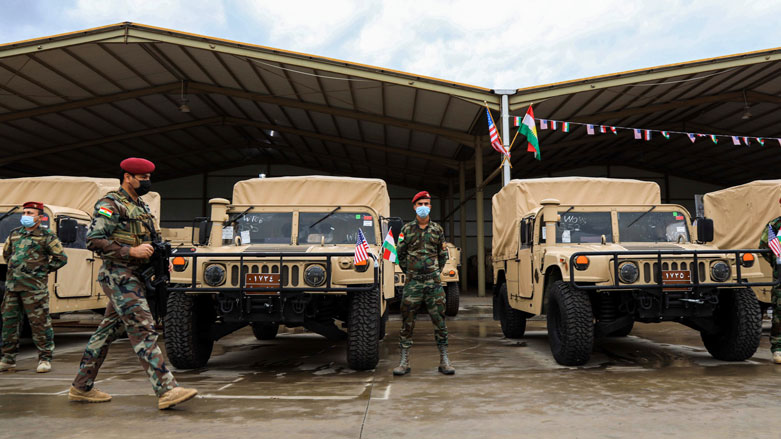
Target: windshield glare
<point x="339" y="228"/>
<point x="584" y="227"/>
<point x="652" y="227"/>
<point x="265" y="228"/>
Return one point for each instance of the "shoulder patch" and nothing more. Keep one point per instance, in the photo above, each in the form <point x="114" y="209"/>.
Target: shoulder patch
<point x="105" y="211"/>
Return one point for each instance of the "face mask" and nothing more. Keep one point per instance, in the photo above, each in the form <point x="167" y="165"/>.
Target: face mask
<point x="144" y="187"/>
<point x="27" y="221"/>
<point x="422" y="211"/>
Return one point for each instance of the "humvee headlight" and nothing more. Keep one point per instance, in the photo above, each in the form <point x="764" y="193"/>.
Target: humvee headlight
<point x="396" y="278"/>
<point x="314" y="275"/>
<point x="214" y="275"/>
<point x="581" y="262"/>
<point x="748" y="259"/>
<point x="628" y="272"/>
<point x="720" y="271"/>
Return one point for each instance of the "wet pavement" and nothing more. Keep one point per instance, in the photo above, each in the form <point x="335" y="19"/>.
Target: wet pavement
<point x="657" y="382"/>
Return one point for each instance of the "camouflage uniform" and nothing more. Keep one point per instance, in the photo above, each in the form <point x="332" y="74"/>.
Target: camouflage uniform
<point x="31" y="256"/>
<point x="775" y="329"/>
<point x="118" y="225"/>
<point x="422" y="255"/>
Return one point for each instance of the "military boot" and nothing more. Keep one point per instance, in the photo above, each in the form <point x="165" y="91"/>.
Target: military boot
<point x="777" y="357"/>
<point x="403" y="367"/>
<point x="44" y="366"/>
<point x="7" y="366"/>
<point x="177" y="395"/>
<point x="92" y="395"/>
<point x="444" y="362"/>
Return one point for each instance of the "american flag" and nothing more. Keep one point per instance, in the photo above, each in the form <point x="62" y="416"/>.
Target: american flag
<point x="493" y="133"/>
<point x="772" y="241"/>
<point x="361" y="249"/>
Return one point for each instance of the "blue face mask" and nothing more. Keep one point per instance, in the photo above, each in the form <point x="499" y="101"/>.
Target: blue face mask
<point x="422" y="211"/>
<point x="27" y="221"/>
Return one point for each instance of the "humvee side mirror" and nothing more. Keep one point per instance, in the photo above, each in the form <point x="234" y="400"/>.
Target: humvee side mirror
<point x="67" y="230"/>
<point x="395" y="223"/>
<point x="204" y="229"/>
<point x="704" y="229"/>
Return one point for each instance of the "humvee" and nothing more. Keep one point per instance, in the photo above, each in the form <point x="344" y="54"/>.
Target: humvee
<point x="597" y="255"/>
<point x="69" y="205"/>
<point x="740" y="214"/>
<point x="450" y="280"/>
<point x="282" y="253"/>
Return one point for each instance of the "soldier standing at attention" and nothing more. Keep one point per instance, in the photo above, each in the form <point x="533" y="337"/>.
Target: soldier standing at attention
<point x="775" y="263"/>
<point x="120" y="233"/>
<point x="422" y="255"/>
<point x="32" y="252"/>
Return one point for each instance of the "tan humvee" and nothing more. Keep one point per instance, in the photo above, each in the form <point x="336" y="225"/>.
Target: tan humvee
<point x="597" y="255"/>
<point x="282" y="253"/>
<point x="69" y="205"/>
<point x="450" y="280"/>
<point x="740" y="214"/>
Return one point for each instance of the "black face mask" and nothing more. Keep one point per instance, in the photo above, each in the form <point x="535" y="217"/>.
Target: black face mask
<point x="144" y="186"/>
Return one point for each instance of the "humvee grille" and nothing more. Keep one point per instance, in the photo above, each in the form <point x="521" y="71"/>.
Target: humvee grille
<point x="292" y="274"/>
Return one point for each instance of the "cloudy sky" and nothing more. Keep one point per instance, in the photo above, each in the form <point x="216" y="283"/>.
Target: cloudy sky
<point x="496" y="44"/>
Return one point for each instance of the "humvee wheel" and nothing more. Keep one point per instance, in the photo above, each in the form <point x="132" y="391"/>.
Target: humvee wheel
<point x="363" y="334"/>
<point x="513" y="321"/>
<point x="452" y="293"/>
<point x="265" y="331"/>
<point x="739" y="322"/>
<point x="570" y="324"/>
<point x="187" y="324"/>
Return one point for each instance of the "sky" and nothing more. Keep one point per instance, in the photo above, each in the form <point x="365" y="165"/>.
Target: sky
<point x="500" y="44"/>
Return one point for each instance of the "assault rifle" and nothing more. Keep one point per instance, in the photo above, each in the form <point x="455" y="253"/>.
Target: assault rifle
<point x="156" y="275"/>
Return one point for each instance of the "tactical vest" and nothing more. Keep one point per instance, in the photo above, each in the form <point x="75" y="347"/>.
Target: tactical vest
<point x="133" y="216"/>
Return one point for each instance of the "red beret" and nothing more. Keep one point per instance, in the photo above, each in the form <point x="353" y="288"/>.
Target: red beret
<point x="135" y="165"/>
<point x="33" y="205"/>
<point x="419" y="195"/>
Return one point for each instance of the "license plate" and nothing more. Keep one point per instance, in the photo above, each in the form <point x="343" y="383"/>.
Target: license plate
<point x="673" y="277"/>
<point x="261" y="280"/>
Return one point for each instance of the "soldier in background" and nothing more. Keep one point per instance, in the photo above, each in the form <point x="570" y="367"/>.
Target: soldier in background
<point x="775" y="329"/>
<point x="120" y="233"/>
<point x="422" y="255"/>
<point x="32" y="252"/>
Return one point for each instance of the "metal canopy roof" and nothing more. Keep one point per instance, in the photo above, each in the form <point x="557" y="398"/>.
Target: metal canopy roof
<point x="77" y="103"/>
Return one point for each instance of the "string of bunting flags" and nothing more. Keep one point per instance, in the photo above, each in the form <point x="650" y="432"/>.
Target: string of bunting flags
<point x="639" y="133"/>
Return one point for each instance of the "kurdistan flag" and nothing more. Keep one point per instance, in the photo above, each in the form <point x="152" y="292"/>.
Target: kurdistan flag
<point x="529" y="129"/>
<point x="389" y="248"/>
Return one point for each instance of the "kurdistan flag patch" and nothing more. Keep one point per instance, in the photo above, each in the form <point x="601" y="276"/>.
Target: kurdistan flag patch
<point x="105" y="212"/>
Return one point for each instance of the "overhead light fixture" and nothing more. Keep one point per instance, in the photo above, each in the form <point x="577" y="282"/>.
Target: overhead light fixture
<point x="184" y="108"/>
<point x="746" y="111"/>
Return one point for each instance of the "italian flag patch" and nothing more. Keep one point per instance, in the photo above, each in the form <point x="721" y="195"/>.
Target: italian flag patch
<point x="105" y="212"/>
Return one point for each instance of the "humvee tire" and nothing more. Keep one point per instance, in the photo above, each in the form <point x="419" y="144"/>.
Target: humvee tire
<point x="513" y="322"/>
<point x="623" y="332"/>
<point x="452" y="293"/>
<point x="265" y="331"/>
<point x="570" y="324"/>
<point x="363" y="334"/>
<point x="739" y="320"/>
<point x="187" y="324"/>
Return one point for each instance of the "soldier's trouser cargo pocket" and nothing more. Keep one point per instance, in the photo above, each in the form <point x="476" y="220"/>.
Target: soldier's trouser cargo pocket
<point x="36" y="305"/>
<point x="127" y="309"/>
<point x="430" y="293"/>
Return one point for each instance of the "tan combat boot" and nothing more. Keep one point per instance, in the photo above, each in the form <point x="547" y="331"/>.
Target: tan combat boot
<point x="777" y="357"/>
<point x="93" y="395"/>
<point x="44" y="366"/>
<point x="177" y="395"/>
<point x="444" y="362"/>
<point x="6" y="366"/>
<point x="403" y="367"/>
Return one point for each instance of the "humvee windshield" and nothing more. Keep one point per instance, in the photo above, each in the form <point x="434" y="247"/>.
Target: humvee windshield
<point x="339" y="228"/>
<point x="652" y="227"/>
<point x="584" y="227"/>
<point x="266" y="227"/>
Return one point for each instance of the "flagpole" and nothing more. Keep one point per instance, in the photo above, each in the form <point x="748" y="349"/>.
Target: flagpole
<point x="506" y="135"/>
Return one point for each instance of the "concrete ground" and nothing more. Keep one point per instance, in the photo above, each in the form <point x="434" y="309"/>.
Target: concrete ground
<point x="657" y="382"/>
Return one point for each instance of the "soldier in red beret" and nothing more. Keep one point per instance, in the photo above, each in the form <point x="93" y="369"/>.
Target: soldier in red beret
<point x="31" y="252"/>
<point x="121" y="231"/>
<point x="422" y="255"/>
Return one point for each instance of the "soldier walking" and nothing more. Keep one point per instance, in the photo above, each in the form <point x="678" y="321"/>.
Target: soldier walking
<point x="421" y="253"/>
<point x="120" y="233"/>
<point x="775" y="263"/>
<point x="32" y="252"/>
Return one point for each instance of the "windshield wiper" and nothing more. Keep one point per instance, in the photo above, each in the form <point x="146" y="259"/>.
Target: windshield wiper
<point x="323" y="218"/>
<point x="638" y="218"/>
<point x="239" y="216"/>
<point x="5" y="215"/>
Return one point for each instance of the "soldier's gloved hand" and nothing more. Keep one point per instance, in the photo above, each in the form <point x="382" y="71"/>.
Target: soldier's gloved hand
<point x="143" y="251"/>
